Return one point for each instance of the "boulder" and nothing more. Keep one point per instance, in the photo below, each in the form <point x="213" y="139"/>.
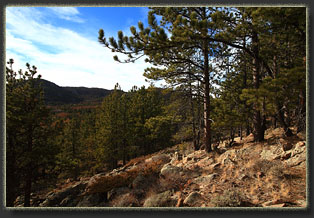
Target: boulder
<point x="93" y="180"/>
<point x="164" y="158"/>
<point x="164" y="199"/>
<point x="116" y="192"/>
<point x="93" y="200"/>
<point x="228" y="157"/>
<point x="272" y="153"/>
<point x="297" y="158"/>
<point x="300" y="144"/>
<point x="126" y="200"/>
<point x="203" y="163"/>
<point x="71" y="193"/>
<point x="205" y="180"/>
<point x="141" y="182"/>
<point x="194" y="199"/>
<point x="170" y="172"/>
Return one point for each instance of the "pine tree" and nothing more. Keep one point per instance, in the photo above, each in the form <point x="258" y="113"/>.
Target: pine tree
<point x="27" y="132"/>
<point x="190" y="29"/>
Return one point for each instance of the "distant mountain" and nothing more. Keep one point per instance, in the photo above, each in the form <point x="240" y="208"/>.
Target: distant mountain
<point x="55" y="94"/>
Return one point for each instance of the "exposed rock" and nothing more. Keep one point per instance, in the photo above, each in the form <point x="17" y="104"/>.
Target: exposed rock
<point x="93" y="200"/>
<point x="272" y="153"/>
<point x="297" y="156"/>
<point x="138" y="193"/>
<point x="187" y="159"/>
<point x="272" y="202"/>
<point x="161" y="157"/>
<point x="55" y="199"/>
<point x="298" y="150"/>
<point x="170" y="172"/>
<point x="302" y="135"/>
<point x="300" y="144"/>
<point x="126" y="200"/>
<point x="191" y="179"/>
<point x="205" y="180"/>
<point x="215" y="166"/>
<point x="163" y="199"/>
<point x="140" y="182"/>
<point x="228" y="157"/>
<point x="301" y="203"/>
<point x="243" y="177"/>
<point x="278" y="205"/>
<point x="285" y="156"/>
<point x="193" y="199"/>
<point x="116" y="192"/>
<point x="203" y="163"/>
<point x="195" y="156"/>
<point x="178" y="156"/>
<point x="179" y="203"/>
<point x="69" y="201"/>
<point x="93" y="180"/>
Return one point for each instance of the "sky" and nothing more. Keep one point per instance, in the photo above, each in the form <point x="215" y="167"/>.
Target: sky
<point x="62" y="42"/>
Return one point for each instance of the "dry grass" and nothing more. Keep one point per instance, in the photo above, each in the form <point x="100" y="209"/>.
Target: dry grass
<point x="106" y="183"/>
<point x="138" y="160"/>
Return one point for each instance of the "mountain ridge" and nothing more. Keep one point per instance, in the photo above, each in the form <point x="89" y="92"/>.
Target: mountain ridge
<point x="55" y="94"/>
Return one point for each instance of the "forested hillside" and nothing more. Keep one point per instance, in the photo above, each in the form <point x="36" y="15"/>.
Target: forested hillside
<point x="230" y="73"/>
<point x="56" y="95"/>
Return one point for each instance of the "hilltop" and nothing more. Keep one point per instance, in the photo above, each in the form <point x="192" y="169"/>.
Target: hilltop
<point x="58" y="95"/>
<point x="247" y="174"/>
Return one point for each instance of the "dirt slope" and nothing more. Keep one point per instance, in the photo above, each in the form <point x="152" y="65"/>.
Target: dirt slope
<point x="248" y="174"/>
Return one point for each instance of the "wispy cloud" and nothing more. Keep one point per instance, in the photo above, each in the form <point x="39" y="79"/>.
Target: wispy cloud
<point x="63" y="55"/>
<point x="67" y="13"/>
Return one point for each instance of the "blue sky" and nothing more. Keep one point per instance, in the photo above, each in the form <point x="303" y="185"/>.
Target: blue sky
<point x="62" y="43"/>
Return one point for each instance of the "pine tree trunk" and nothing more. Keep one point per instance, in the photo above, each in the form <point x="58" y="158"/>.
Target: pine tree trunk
<point x="199" y="118"/>
<point x="124" y="151"/>
<point x="247" y="129"/>
<point x="274" y="122"/>
<point x="11" y="180"/>
<point x="301" y="120"/>
<point x="28" y="180"/>
<point x="195" y="143"/>
<point x="241" y="132"/>
<point x="207" y="133"/>
<point x="28" y="188"/>
<point x="258" y="130"/>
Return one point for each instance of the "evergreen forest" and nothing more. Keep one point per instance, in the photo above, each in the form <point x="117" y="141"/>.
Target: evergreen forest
<point x="229" y="72"/>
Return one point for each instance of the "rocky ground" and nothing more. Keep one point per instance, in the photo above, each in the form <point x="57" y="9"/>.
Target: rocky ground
<point x="248" y="174"/>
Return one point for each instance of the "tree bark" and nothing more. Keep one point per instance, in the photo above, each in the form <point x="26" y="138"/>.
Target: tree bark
<point x="29" y="170"/>
<point x="11" y="170"/>
<point x="28" y="188"/>
<point x="207" y="124"/>
<point x="195" y="142"/>
<point x="258" y="130"/>
<point x="207" y="133"/>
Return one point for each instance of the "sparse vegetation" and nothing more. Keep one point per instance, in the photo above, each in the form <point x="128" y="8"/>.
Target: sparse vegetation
<point x="230" y="198"/>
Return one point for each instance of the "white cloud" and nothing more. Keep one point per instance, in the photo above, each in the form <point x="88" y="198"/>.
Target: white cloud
<point x="67" y="13"/>
<point x="65" y="57"/>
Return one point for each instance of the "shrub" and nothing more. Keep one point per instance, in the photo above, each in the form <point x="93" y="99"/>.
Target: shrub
<point x="230" y="198"/>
